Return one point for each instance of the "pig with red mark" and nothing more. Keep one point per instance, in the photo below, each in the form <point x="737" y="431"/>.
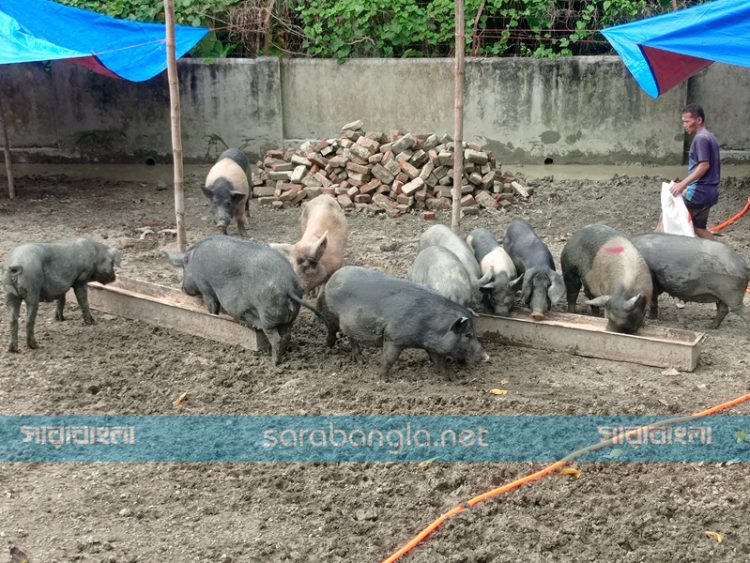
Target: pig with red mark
<point x="613" y="273"/>
<point x="227" y="187"/>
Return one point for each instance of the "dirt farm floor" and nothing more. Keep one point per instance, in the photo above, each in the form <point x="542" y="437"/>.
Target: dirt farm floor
<point x="354" y="512"/>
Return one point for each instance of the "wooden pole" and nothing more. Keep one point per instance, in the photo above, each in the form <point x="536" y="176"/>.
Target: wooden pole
<point x="458" y="137"/>
<point x="174" y="98"/>
<point x="6" y="151"/>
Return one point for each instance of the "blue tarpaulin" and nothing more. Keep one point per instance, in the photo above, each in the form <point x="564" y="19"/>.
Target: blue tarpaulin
<point x="40" y="30"/>
<point x="665" y="50"/>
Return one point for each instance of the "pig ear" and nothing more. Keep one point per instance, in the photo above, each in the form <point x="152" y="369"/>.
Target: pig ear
<point x="556" y="290"/>
<point x="115" y="255"/>
<point x="461" y="325"/>
<point x="320" y="246"/>
<point x="631" y="303"/>
<point x="208" y="192"/>
<point x="283" y="247"/>
<point x="177" y="259"/>
<point x="516" y="283"/>
<point x="237" y="196"/>
<point x="600" y="301"/>
<point x="487" y="281"/>
<point x="526" y="287"/>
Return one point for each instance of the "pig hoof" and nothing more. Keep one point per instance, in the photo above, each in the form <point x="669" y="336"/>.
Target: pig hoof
<point x="59" y="317"/>
<point x="32" y="344"/>
<point x="89" y="321"/>
<point x="13" y="349"/>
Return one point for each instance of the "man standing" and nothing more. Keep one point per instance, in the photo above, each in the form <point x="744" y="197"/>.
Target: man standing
<point x="701" y="186"/>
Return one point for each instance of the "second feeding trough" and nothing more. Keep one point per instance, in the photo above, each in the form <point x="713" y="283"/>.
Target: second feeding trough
<point x="587" y="336"/>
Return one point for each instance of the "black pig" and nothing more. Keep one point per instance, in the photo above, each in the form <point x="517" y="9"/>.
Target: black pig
<point x="45" y="271"/>
<point x="695" y="269"/>
<point x="376" y="309"/>
<point x="542" y="285"/>
<point x="249" y="280"/>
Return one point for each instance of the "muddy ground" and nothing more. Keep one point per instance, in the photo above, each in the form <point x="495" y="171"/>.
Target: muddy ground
<point x="353" y="512"/>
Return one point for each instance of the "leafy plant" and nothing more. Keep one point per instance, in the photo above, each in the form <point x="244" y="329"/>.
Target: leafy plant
<point x="343" y="29"/>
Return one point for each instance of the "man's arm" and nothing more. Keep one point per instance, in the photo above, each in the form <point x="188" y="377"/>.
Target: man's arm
<point x="698" y="173"/>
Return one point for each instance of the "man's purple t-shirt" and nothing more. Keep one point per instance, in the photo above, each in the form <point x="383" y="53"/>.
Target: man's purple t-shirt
<point x="704" y="191"/>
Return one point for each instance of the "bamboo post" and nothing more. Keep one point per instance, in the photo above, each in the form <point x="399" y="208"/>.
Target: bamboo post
<point x="458" y="152"/>
<point x="6" y="151"/>
<point x="174" y="98"/>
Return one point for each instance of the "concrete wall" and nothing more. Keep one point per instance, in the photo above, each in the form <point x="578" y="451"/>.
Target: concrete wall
<point x="570" y="110"/>
<point x="64" y="112"/>
<point x="724" y="93"/>
<point x="579" y="109"/>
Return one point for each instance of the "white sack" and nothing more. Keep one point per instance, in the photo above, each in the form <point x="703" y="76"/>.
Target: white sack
<point x="675" y="218"/>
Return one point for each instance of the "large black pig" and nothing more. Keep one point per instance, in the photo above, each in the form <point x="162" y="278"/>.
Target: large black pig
<point x="40" y="271"/>
<point x="695" y="269"/>
<point x="249" y="280"/>
<point x="613" y="273"/>
<point x="542" y="285"/>
<point x="376" y="309"/>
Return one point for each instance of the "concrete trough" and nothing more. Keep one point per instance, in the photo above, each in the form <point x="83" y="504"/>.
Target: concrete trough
<point x="587" y="336"/>
<point x="171" y="308"/>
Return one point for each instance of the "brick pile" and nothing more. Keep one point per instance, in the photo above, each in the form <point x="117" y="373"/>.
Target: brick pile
<point x="374" y="172"/>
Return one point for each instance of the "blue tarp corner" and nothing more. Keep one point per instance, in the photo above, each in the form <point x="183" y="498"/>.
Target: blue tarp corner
<point x="663" y="51"/>
<point x="41" y="30"/>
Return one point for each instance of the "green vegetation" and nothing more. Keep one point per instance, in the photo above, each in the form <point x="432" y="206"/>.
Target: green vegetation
<point x="394" y="28"/>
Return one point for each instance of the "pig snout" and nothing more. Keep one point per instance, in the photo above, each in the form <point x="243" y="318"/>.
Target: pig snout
<point x="106" y="277"/>
<point x="476" y="353"/>
<point x="537" y="315"/>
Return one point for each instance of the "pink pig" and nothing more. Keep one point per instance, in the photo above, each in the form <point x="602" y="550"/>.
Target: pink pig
<point x="320" y="251"/>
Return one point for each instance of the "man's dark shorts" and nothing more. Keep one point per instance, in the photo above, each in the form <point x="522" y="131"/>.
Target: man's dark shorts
<point x="699" y="214"/>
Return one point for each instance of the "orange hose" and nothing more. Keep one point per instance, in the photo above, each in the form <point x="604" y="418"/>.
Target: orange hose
<point x="416" y="540"/>
<point x="731" y="220"/>
<point x="728" y="222"/>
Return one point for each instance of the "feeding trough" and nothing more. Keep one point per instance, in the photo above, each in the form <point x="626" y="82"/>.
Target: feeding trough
<point x="171" y="308"/>
<point x="561" y="332"/>
<point x="587" y="336"/>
